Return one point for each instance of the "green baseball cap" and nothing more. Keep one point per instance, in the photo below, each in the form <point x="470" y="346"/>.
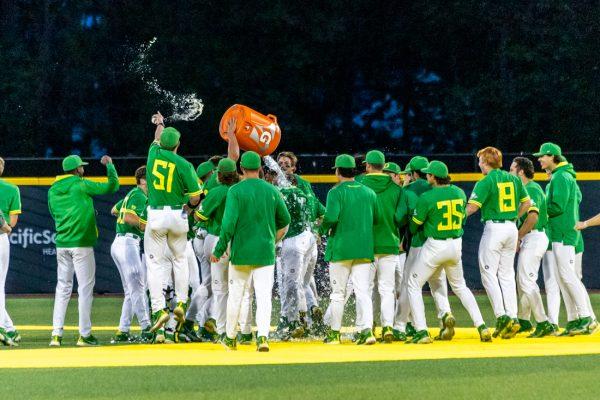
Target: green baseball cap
<point x="374" y="157"/>
<point x="72" y="162"/>
<point x="437" y="169"/>
<point x="204" y="168"/>
<point x="169" y="138"/>
<point x="226" y="165"/>
<point x="392" y="167"/>
<point x="416" y="163"/>
<point x="549" y="149"/>
<point x="250" y="160"/>
<point x="344" y="161"/>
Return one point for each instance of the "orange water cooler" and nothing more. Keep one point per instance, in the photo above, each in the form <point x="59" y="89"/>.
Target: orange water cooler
<point x="253" y="130"/>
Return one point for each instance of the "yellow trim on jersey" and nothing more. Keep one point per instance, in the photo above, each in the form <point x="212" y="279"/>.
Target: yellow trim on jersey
<point x="14" y="212"/>
<point x="143" y="221"/>
<point x="416" y="221"/>
<point x="533" y="209"/>
<point x="561" y="164"/>
<point x="202" y="217"/>
<point x="128" y="211"/>
<point x="377" y="173"/>
<point x="478" y="204"/>
<point x="195" y="193"/>
<point x="524" y="199"/>
<point x="61" y="177"/>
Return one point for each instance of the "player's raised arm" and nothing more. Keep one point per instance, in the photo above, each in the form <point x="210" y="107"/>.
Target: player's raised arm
<point x="159" y="121"/>
<point x="100" y="188"/>
<point x="233" y="148"/>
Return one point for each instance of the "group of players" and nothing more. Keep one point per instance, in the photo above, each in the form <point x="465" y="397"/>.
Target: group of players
<point x="214" y="240"/>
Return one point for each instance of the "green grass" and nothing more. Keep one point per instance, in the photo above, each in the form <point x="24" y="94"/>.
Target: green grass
<point x="106" y="312"/>
<point x="522" y="378"/>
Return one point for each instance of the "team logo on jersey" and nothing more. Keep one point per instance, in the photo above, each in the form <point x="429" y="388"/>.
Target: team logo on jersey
<point x="473" y="196"/>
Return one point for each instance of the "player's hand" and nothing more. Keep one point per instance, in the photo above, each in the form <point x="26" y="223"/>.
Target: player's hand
<point x="580" y="226"/>
<point x="231" y="125"/>
<point x="187" y="209"/>
<point x="213" y="259"/>
<point x="158" y="119"/>
<point x="105" y="160"/>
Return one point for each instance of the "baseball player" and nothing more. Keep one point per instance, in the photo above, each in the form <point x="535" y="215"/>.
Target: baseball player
<point x="562" y="198"/>
<point x="350" y="214"/>
<point x="395" y="172"/>
<point x="10" y="206"/>
<point x="393" y="210"/>
<point x="437" y="283"/>
<point x="70" y="201"/>
<point x="502" y="199"/>
<point x="5" y="230"/>
<point x="255" y="218"/>
<point x="125" y="251"/>
<point x="533" y="242"/>
<point x="440" y="213"/>
<point x="171" y="179"/>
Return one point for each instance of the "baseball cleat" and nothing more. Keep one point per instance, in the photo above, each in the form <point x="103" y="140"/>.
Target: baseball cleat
<point x="387" y="334"/>
<point x="262" y="344"/>
<point x="245" y="338"/>
<point x="15" y="336"/>
<point x="159" y="337"/>
<point x="542" y="329"/>
<point x="410" y="330"/>
<point x="512" y="329"/>
<point x="210" y="325"/>
<point x="121" y="337"/>
<point x="296" y="330"/>
<point x="502" y="323"/>
<point x="555" y="330"/>
<point x="206" y="336"/>
<point x="228" y="343"/>
<point x="56" y="341"/>
<point x="159" y="319"/>
<point x="366" y="337"/>
<point x="333" y="337"/>
<point x="171" y="336"/>
<point x="593" y="326"/>
<point x="146" y="336"/>
<point x="484" y="333"/>
<point x="87" y="341"/>
<point x="5" y="339"/>
<point x="179" y="312"/>
<point x="447" y="331"/>
<point x="421" y="337"/>
<point x="583" y="327"/>
<point x="525" y="326"/>
<point x="316" y="314"/>
<point x="399" y="336"/>
<point x="569" y="327"/>
<point x="188" y="333"/>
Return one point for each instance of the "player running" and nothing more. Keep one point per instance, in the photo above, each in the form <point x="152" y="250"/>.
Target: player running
<point x="440" y="214"/>
<point x="125" y="252"/>
<point x="533" y="243"/>
<point x="10" y="206"/>
<point x="393" y="211"/>
<point x="172" y="180"/>
<point x="502" y="199"/>
<point x="70" y="201"/>
<point x="350" y="214"/>
<point x="255" y="219"/>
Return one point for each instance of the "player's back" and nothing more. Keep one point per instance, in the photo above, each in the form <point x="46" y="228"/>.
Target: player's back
<point x="498" y="195"/>
<point x="445" y="212"/>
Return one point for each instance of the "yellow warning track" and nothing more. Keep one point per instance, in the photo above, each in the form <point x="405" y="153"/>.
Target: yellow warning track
<point x="465" y="345"/>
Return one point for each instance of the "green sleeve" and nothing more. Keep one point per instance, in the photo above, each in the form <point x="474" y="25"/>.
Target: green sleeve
<point x="230" y="219"/>
<point x="137" y="204"/>
<point x="332" y="212"/>
<point x="190" y="181"/>
<point x="2" y="219"/>
<point x="376" y="211"/>
<point x="402" y="211"/>
<point x="558" y="196"/>
<point x="523" y="195"/>
<point x="411" y="200"/>
<point x="118" y="205"/>
<point x="282" y="215"/>
<point x="419" y="215"/>
<point x="100" y="188"/>
<point x="480" y="192"/>
<point x="463" y="196"/>
<point x="210" y="204"/>
<point x="15" y="203"/>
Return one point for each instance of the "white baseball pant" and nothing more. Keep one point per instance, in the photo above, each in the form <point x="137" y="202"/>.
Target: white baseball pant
<point x="79" y="261"/>
<point x="568" y="279"/>
<point x="295" y="254"/>
<point x="533" y="247"/>
<point x="386" y="266"/>
<point x="5" y="320"/>
<point x="496" y="264"/>
<point x="166" y="229"/>
<point x="241" y="278"/>
<point x="125" y="252"/>
<point x="310" y="288"/>
<point x="200" y="299"/>
<point x="551" y="286"/>
<point x="435" y="256"/>
<point x="362" y="275"/>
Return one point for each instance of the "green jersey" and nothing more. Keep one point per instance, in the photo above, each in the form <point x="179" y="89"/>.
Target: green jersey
<point x="350" y="214"/>
<point x="170" y="178"/>
<point x="306" y="187"/>
<point x="134" y="203"/>
<point x="212" y="208"/>
<point x="72" y="208"/>
<point x="10" y="199"/>
<point x="393" y="211"/>
<point x="299" y="208"/>
<point x="563" y="197"/>
<point x="441" y="213"/>
<point x="413" y="191"/>
<point x="538" y="204"/>
<point x="498" y="195"/>
<point x="254" y="212"/>
<point x="211" y="182"/>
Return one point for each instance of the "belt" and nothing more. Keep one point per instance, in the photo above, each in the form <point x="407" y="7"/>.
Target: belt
<point x="129" y="235"/>
<point x="450" y="238"/>
<point x="539" y="230"/>
<point x="502" y="221"/>
<point x="179" y="207"/>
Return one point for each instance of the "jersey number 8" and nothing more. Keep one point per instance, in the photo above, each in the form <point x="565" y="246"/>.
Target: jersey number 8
<point x="506" y="197"/>
<point x="453" y="216"/>
<point x="159" y="182"/>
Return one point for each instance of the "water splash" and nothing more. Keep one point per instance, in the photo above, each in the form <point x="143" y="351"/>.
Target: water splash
<point x="184" y="106"/>
<point x="281" y="179"/>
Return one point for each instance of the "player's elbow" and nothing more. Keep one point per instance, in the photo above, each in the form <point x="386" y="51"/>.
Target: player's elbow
<point x="194" y="200"/>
